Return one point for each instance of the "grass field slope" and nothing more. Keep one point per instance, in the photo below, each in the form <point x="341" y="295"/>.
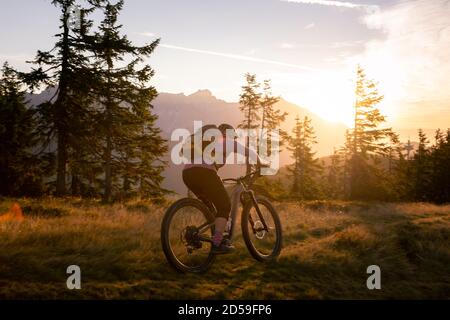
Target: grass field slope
<point x="327" y="249"/>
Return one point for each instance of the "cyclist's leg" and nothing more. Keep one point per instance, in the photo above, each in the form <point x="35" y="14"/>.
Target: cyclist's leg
<point x="193" y="179"/>
<point x="215" y="192"/>
<point x="200" y="196"/>
<point x="208" y="187"/>
<point x="206" y="183"/>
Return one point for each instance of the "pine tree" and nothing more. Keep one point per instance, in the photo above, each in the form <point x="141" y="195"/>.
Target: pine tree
<point x="408" y="149"/>
<point x="392" y="149"/>
<point x="421" y="168"/>
<point x="271" y="118"/>
<point x="295" y="146"/>
<point x="429" y="174"/>
<point x="131" y="145"/>
<point x="439" y="190"/>
<point x="346" y="152"/>
<point x="388" y="172"/>
<point x="444" y="160"/>
<point x="250" y="104"/>
<point x="401" y="180"/>
<point x="20" y="170"/>
<point x="366" y="139"/>
<point x="305" y="169"/>
<point x="66" y="68"/>
<point x="334" y="177"/>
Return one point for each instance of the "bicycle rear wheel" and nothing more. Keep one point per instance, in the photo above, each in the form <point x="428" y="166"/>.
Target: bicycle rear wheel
<point x="182" y="241"/>
<point x="262" y="244"/>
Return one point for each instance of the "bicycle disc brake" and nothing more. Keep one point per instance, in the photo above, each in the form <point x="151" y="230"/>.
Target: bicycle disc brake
<point x="259" y="230"/>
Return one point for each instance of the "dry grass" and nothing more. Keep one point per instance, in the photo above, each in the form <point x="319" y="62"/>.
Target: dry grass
<point x="327" y="248"/>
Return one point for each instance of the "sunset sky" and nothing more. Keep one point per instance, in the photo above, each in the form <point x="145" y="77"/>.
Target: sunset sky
<point x="309" y="48"/>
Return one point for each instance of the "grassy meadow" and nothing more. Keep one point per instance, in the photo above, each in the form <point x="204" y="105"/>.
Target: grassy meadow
<point x="327" y="248"/>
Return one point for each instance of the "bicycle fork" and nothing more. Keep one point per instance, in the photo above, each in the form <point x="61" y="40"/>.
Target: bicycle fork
<point x="258" y="211"/>
<point x="235" y="198"/>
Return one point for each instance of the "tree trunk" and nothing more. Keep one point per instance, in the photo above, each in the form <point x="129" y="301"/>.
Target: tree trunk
<point x="61" y="165"/>
<point x="247" y="155"/>
<point x="75" y="187"/>
<point x="126" y="185"/>
<point x="108" y="173"/>
<point x="60" y="113"/>
<point x="353" y="157"/>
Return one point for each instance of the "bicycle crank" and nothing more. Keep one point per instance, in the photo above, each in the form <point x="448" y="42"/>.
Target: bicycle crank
<point x="190" y="238"/>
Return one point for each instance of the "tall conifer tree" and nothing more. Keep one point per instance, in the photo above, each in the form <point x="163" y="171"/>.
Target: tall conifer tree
<point x="250" y="105"/>
<point x="305" y="169"/>
<point x="20" y="170"/>
<point x="131" y="145"/>
<point x="366" y="138"/>
<point x="65" y="68"/>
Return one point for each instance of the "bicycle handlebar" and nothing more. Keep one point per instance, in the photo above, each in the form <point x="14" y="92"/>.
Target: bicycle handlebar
<point x="258" y="171"/>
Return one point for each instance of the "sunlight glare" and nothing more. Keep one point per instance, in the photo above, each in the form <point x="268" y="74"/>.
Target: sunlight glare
<point x="329" y="94"/>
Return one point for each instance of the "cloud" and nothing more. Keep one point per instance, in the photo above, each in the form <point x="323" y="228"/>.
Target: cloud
<point x="310" y="26"/>
<point x="237" y="57"/>
<point x="346" y="44"/>
<point x="342" y="4"/>
<point x="411" y="61"/>
<point x="287" y="45"/>
<point x="146" y="34"/>
<point x="250" y="52"/>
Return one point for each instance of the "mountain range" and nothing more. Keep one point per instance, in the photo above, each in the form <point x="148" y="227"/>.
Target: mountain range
<point x="180" y="111"/>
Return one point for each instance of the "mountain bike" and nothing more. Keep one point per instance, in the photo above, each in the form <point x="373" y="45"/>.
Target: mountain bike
<point x="188" y="226"/>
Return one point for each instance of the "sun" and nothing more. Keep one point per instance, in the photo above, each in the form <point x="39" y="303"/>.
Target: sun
<point x="330" y="95"/>
<point x="333" y="103"/>
<point x="390" y="79"/>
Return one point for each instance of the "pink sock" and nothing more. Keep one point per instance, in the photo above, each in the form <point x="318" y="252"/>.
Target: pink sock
<point x="217" y="238"/>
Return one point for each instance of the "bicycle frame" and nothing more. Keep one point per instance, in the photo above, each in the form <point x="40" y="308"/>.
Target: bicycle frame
<point x="240" y="188"/>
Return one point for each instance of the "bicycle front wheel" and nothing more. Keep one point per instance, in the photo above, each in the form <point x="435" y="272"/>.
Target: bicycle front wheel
<point x="262" y="234"/>
<point x="184" y="235"/>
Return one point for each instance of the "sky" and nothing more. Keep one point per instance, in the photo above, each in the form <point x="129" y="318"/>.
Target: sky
<point x="308" y="48"/>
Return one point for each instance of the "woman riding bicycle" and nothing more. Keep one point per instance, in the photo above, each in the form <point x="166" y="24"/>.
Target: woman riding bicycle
<point x="200" y="176"/>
